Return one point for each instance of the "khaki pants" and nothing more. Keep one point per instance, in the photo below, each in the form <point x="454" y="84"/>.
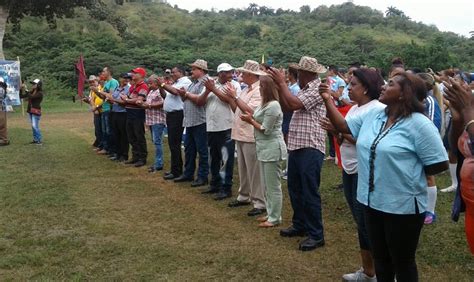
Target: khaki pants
<point x="251" y="187"/>
<point x="3" y="127"/>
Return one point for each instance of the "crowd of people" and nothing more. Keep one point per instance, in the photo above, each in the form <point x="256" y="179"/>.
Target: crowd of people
<point x="390" y="137"/>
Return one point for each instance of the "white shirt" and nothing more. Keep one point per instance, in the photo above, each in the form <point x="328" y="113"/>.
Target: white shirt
<point x="348" y="150"/>
<point x="219" y="115"/>
<point x="172" y="102"/>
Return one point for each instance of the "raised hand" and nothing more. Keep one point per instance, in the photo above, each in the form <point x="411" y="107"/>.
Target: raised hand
<point x="229" y="90"/>
<point x="327" y="125"/>
<point x="182" y="92"/>
<point x="277" y="75"/>
<point x="325" y="91"/>
<point x="210" y="84"/>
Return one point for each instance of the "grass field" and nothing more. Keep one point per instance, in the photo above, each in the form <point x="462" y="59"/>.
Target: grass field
<point x="68" y="214"/>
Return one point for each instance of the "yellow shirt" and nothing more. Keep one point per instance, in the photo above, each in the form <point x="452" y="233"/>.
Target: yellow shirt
<point x="96" y="101"/>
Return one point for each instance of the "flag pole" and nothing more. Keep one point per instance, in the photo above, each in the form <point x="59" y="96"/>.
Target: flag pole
<point x="21" y="100"/>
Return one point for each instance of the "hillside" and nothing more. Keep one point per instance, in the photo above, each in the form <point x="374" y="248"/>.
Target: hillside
<point x="159" y="36"/>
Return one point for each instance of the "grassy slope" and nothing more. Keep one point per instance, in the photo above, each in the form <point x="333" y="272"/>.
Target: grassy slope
<point x="69" y="214"/>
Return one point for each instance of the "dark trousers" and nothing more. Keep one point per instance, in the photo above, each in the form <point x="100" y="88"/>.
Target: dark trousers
<point x="118" y="122"/>
<point x="221" y="149"/>
<point x="174" y="123"/>
<point x="332" y="148"/>
<point x="196" y="142"/>
<point x="98" y="130"/>
<point x="349" y="182"/>
<point x="394" y="239"/>
<point x="304" y="177"/>
<point x="136" y="138"/>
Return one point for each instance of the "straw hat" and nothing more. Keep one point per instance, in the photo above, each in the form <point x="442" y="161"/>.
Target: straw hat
<point x="251" y="67"/>
<point x="200" y="64"/>
<point x="309" y="64"/>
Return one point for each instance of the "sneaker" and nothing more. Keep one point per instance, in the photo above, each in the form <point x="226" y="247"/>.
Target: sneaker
<point x="359" y="275"/>
<point x="430" y="217"/>
<point x="448" y="189"/>
<point x="329" y="158"/>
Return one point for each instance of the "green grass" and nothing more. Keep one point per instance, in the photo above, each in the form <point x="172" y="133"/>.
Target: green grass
<point x="68" y="214"/>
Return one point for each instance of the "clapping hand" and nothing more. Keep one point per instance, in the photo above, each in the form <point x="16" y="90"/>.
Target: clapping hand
<point x="325" y="91"/>
<point x="182" y="92"/>
<point x="460" y="98"/>
<point x="229" y="90"/>
<point x="247" y="117"/>
<point x="209" y="84"/>
<point x="277" y="75"/>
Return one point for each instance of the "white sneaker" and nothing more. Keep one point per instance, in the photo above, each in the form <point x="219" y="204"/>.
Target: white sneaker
<point x="359" y="275"/>
<point x="448" y="189"/>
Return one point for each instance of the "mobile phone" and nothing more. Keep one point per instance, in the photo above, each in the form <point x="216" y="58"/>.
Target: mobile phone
<point x="324" y="80"/>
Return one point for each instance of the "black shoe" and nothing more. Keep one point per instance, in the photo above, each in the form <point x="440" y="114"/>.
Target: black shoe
<point x="169" y="176"/>
<point x="237" y="203"/>
<point x="5" y="143"/>
<point x="292" y="232"/>
<point x="222" y="195"/>
<point x="255" y="211"/>
<point x="183" y="178"/>
<point x="122" y="159"/>
<point x="211" y="190"/>
<point x="130" y="162"/>
<point x="114" y="158"/>
<point x="153" y="169"/>
<point x="199" y="182"/>
<point x="310" y="244"/>
<point x="140" y="163"/>
<point x="167" y="173"/>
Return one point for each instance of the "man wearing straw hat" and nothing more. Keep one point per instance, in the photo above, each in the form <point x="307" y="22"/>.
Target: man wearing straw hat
<point x="195" y="124"/>
<point x="252" y="189"/>
<point x="306" y="144"/>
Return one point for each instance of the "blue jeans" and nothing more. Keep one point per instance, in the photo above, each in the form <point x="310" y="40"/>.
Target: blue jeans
<point x="349" y="182"/>
<point x="34" y="120"/>
<point x="196" y="142"/>
<point x="106" y="130"/>
<point x="221" y="148"/>
<point x="157" y="138"/>
<point x="304" y="177"/>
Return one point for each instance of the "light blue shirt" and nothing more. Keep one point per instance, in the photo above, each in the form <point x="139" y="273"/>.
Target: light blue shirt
<point x="117" y="108"/>
<point x="337" y="83"/>
<point x="172" y="102"/>
<point x="345" y="94"/>
<point x="294" y="88"/>
<point x="399" y="177"/>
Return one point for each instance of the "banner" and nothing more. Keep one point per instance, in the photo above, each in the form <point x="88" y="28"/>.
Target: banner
<point x="81" y="76"/>
<point x="10" y="72"/>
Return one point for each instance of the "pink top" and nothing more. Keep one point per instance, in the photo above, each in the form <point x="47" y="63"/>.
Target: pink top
<point x="242" y="131"/>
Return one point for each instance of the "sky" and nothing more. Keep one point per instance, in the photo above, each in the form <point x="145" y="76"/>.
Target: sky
<point x="454" y="15"/>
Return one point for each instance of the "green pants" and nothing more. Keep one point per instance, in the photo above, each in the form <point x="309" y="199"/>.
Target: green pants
<point x="272" y="178"/>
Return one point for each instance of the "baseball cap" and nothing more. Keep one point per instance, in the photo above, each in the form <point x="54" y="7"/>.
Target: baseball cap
<point x="140" y="71"/>
<point x="36" y="81"/>
<point x="92" y="77"/>
<point x="2" y="80"/>
<point x="126" y="75"/>
<point x="224" y="67"/>
<point x="168" y="71"/>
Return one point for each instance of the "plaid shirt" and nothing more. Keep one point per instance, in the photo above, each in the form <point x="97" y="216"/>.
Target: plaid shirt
<point x="305" y="130"/>
<point x="195" y="115"/>
<point x="154" y="116"/>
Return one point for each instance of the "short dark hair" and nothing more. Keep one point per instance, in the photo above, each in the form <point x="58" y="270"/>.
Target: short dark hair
<point x="371" y="80"/>
<point x="413" y="90"/>
<point x="332" y="68"/>
<point x="109" y="69"/>
<point x="355" y="65"/>
<point x="181" y="69"/>
<point x="293" y="72"/>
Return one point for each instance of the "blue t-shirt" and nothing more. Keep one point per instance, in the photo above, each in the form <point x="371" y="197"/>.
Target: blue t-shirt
<point x="433" y="111"/>
<point x="337" y="82"/>
<point x="399" y="176"/>
<point x="117" y="108"/>
<point x="109" y="87"/>
<point x="294" y="89"/>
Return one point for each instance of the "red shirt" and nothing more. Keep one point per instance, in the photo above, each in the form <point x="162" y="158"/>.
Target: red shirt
<point x="137" y="90"/>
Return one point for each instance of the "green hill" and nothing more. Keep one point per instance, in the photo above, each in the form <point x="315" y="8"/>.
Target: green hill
<point x="160" y="36"/>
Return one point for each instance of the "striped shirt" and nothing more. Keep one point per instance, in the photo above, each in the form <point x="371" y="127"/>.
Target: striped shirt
<point x="154" y="116"/>
<point x="305" y="130"/>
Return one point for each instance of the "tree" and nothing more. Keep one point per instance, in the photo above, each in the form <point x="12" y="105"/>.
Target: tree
<point x="305" y="9"/>
<point x="14" y="10"/>
<point x="253" y="9"/>
<point x="394" y="12"/>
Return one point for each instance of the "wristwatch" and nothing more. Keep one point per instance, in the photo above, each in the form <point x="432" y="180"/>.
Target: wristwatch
<point x="162" y="85"/>
<point x="236" y="98"/>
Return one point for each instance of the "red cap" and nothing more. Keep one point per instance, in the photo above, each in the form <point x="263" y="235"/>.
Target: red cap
<point x="140" y="71"/>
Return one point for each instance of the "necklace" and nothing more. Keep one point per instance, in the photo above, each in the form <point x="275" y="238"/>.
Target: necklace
<point x="382" y="133"/>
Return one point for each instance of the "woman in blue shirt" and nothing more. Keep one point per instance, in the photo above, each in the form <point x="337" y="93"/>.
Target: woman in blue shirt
<point x="396" y="148"/>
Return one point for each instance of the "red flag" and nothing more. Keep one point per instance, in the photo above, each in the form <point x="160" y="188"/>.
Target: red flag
<point x="81" y="76"/>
